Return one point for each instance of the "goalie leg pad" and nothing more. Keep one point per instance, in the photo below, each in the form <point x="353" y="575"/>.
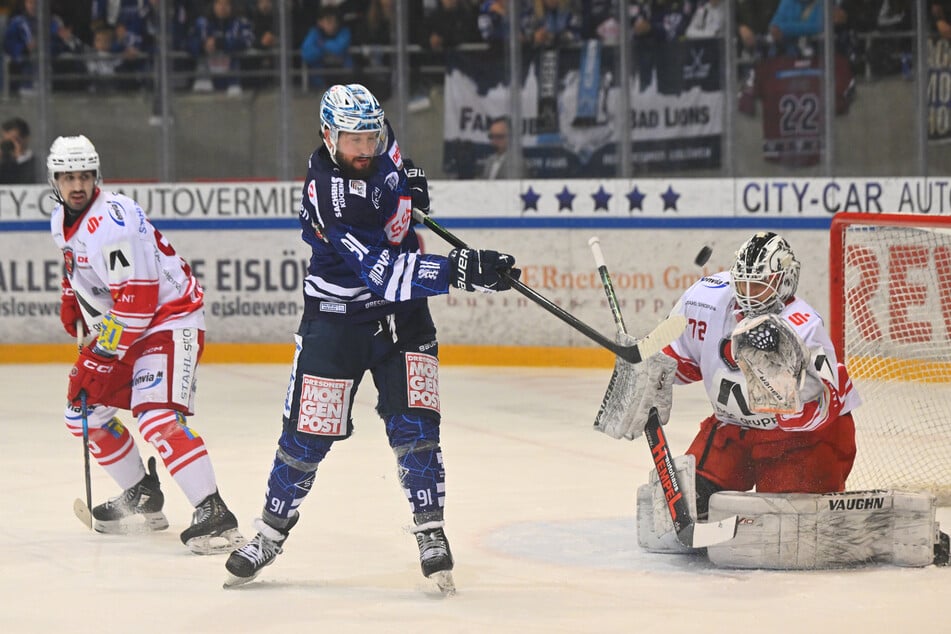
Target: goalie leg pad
<point x="655" y="530"/>
<point x="834" y="530"/>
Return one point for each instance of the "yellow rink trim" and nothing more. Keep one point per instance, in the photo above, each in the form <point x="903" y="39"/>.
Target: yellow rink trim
<point x="537" y="356"/>
<point x="890" y="369"/>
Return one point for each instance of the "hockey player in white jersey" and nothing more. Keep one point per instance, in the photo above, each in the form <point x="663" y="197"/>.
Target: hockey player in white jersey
<point x="126" y="286"/>
<point x="781" y="424"/>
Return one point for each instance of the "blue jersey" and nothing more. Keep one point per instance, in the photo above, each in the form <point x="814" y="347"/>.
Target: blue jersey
<point x="366" y="261"/>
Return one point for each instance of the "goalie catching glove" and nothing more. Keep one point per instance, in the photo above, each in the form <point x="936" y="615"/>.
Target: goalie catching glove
<point x="772" y="358"/>
<point x="652" y="389"/>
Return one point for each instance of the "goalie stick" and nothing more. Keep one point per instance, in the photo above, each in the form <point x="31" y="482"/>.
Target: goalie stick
<point x="690" y="533"/>
<point x="84" y="510"/>
<point x="664" y="333"/>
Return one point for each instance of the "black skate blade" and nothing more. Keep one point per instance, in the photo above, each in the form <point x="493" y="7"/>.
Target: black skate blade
<point x="445" y="582"/>
<point x="82" y="512"/>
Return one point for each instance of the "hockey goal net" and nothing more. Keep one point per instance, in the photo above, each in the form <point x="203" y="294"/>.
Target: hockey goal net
<point x="890" y="320"/>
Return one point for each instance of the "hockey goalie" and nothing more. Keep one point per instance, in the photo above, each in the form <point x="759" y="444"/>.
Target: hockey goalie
<point x="780" y="442"/>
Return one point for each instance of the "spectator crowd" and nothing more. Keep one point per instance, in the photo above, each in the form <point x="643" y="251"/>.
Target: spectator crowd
<point x="227" y="45"/>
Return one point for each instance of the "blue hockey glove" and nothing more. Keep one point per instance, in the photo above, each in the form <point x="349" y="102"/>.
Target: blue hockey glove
<point x="483" y="271"/>
<point x="418" y="186"/>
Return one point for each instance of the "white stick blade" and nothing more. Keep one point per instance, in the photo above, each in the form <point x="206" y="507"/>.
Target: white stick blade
<point x="665" y="333"/>
<point x="82" y="512"/>
<point x="711" y="533"/>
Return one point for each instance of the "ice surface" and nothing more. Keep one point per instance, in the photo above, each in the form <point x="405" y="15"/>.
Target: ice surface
<point x="540" y="516"/>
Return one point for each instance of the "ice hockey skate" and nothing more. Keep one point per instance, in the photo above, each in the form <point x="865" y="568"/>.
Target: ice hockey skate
<point x="435" y="558"/>
<point x="137" y="510"/>
<point x="214" y="529"/>
<point x="246" y="563"/>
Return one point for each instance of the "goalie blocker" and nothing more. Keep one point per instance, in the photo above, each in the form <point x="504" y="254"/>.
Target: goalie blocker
<point x="801" y="531"/>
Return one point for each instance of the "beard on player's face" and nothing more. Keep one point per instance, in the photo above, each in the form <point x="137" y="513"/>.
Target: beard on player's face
<point x="360" y="167"/>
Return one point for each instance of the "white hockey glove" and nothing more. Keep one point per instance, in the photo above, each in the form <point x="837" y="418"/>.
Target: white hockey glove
<point x="634" y="390"/>
<point x="772" y="357"/>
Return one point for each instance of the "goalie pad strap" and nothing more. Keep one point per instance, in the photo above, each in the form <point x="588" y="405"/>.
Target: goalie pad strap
<point x="834" y="530"/>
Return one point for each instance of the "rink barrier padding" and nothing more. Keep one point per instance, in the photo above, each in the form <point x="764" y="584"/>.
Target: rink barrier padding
<point x="536" y="356"/>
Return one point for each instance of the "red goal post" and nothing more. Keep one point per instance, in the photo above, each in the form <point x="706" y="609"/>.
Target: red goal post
<point x="890" y="320"/>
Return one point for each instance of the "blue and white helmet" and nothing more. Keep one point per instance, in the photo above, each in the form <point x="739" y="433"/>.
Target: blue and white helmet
<point x="767" y="259"/>
<point x="351" y="108"/>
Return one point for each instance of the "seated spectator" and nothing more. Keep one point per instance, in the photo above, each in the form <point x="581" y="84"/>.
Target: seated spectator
<point x="76" y="14"/>
<point x="17" y="162"/>
<point x="752" y="28"/>
<point x="552" y="23"/>
<point x="181" y="15"/>
<point x="104" y="59"/>
<point x="19" y="43"/>
<point x="496" y="165"/>
<point x="451" y="23"/>
<point x="940" y="17"/>
<point x="881" y="54"/>
<point x="375" y="29"/>
<point x="217" y="40"/>
<point x="134" y="46"/>
<point x="707" y="20"/>
<point x="265" y="29"/>
<point x="600" y="20"/>
<point x="796" y="24"/>
<point x="112" y="12"/>
<point x="658" y="27"/>
<point x="326" y="46"/>
<point x="494" y="23"/>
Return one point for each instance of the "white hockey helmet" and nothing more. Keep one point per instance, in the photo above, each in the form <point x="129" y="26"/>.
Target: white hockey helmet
<point x="72" y="154"/>
<point x="766" y="259"/>
<point x="351" y="108"/>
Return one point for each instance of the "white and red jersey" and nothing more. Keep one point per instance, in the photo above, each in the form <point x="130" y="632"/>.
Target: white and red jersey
<point x="704" y="352"/>
<point x="125" y="272"/>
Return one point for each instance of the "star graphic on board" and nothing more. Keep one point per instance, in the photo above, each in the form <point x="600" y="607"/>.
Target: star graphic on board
<point x="601" y="199"/>
<point x="565" y="199"/>
<point x="529" y="199"/>
<point x="635" y="199"/>
<point x="670" y="198"/>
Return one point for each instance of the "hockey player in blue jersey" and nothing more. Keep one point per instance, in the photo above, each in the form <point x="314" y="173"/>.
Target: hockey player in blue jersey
<point x="365" y="308"/>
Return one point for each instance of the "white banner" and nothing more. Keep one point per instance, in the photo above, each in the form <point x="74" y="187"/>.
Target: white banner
<point x="252" y="281"/>
<point x="243" y="241"/>
<point x="561" y="199"/>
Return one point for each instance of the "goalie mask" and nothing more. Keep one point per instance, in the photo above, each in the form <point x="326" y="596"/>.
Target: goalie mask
<point x="72" y="154"/>
<point x="351" y="108"/>
<point x="765" y="274"/>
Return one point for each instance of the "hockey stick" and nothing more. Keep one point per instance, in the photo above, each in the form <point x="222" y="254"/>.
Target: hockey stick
<point x="690" y="533"/>
<point x="84" y="510"/>
<point x="664" y="333"/>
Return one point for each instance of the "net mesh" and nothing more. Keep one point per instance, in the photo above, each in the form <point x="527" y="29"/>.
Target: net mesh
<point x="896" y="309"/>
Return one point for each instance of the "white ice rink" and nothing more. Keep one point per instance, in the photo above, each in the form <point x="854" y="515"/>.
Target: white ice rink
<point x="539" y="515"/>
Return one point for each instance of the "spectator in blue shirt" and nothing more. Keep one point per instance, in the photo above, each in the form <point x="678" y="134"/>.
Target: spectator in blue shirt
<point x="326" y="45"/>
<point x="552" y="23"/>
<point x="216" y="41"/>
<point x="19" y="43"/>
